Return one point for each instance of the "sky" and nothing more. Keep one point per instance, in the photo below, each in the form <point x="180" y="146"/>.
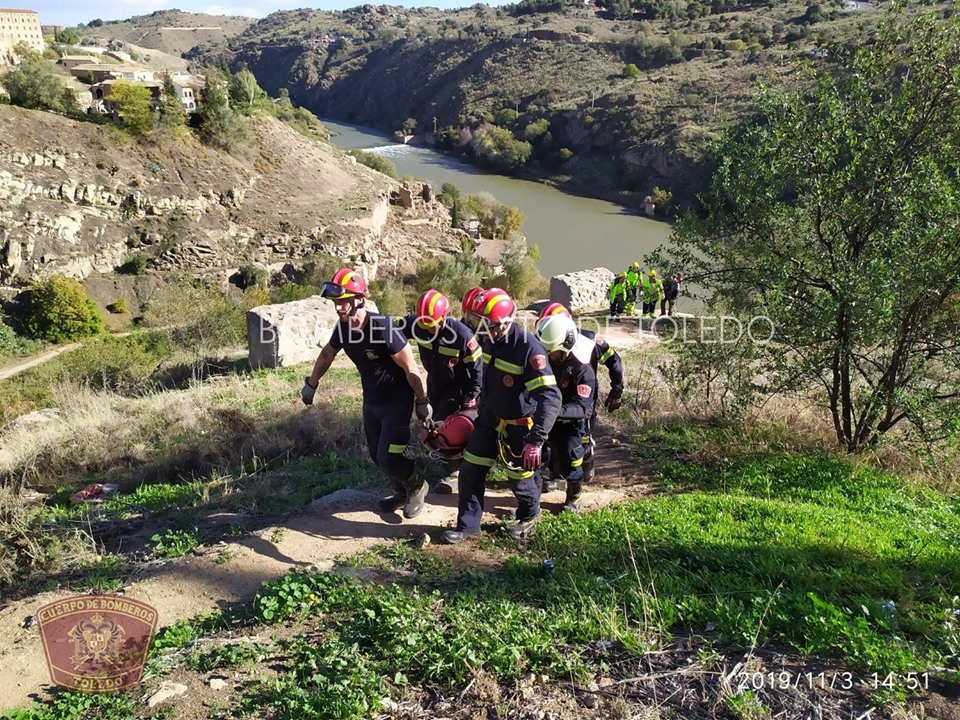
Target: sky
<point x="60" y="12"/>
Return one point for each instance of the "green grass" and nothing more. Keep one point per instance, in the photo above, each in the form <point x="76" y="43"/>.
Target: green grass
<point x="803" y="551"/>
<point x="749" y="547"/>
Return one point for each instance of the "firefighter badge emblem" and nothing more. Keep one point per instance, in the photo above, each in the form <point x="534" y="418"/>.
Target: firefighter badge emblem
<point x="96" y="643"/>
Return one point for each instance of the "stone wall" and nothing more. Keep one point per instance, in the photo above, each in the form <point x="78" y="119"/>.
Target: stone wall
<point x="582" y="290"/>
<point x="290" y="333"/>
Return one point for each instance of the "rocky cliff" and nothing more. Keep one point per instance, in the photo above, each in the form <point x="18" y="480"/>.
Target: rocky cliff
<point x="78" y="198"/>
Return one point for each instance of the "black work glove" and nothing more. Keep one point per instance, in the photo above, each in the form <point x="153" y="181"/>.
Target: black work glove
<point x="614" y="400"/>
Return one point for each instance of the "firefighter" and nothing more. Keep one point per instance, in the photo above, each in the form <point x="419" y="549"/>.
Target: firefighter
<point x="452" y="358"/>
<point x="604" y="355"/>
<point x="570" y="358"/>
<point x="617" y="294"/>
<point x="391" y="383"/>
<point x="652" y="294"/>
<point x="633" y="287"/>
<point x="467" y="317"/>
<point x="518" y="406"/>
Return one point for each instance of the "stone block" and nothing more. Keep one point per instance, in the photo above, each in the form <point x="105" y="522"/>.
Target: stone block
<point x="582" y="290"/>
<point x="290" y="333"/>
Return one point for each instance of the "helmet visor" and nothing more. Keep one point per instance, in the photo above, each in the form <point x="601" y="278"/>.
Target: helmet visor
<point x="334" y="291"/>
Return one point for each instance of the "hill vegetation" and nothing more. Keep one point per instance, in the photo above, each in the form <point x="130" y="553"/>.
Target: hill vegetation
<point x="784" y="541"/>
<point x="600" y="99"/>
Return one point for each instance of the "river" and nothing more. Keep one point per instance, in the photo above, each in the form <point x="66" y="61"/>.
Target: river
<point x="573" y="233"/>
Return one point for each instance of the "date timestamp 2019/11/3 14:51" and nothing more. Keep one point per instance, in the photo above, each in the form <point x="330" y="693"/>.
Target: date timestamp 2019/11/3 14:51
<point x="785" y="679"/>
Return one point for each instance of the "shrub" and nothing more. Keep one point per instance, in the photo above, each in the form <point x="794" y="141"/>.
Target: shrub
<point x="12" y="344"/>
<point x="250" y="276"/>
<point x="536" y="130"/>
<point x="565" y="154"/>
<point x="33" y="85"/>
<point x="496" y="219"/>
<point x="391" y="296"/>
<point x="661" y="198"/>
<point x="453" y="274"/>
<point x="115" y="363"/>
<point x="118" y="308"/>
<point x="133" y="265"/>
<point x="375" y="162"/>
<point x="203" y="319"/>
<point x="60" y="310"/>
<point x="290" y="292"/>
<point x="630" y="71"/>
<point x="498" y="148"/>
<point x="521" y="278"/>
<point x="505" y="117"/>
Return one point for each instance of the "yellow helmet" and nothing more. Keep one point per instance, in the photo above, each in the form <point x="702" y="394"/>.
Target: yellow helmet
<point x="635" y="266"/>
<point x="653" y="273"/>
<point x="622" y="275"/>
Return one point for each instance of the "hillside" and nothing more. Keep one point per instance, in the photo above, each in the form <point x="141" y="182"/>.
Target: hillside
<point x="559" y="76"/>
<point x="169" y="31"/>
<point x="612" y="105"/>
<point x="83" y="198"/>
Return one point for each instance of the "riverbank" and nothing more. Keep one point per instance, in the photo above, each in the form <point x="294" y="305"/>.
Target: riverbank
<point x="568" y="184"/>
<point x="573" y="232"/>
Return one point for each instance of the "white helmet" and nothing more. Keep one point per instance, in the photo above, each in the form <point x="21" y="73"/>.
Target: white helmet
<point x="557" y="332"/>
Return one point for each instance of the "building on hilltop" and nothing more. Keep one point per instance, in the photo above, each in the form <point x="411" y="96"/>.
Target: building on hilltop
<point x="72" y="61"/>
<point x="188" y="88"/>
<point x="19" y="26"/>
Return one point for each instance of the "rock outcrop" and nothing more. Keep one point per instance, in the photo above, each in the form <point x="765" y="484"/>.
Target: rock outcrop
<point x="290" y="333"/>
<point x="581" y="290"/>
<point x="78" y="198"/>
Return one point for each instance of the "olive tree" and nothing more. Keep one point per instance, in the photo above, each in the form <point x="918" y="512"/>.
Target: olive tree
<point x="834" y="212"/>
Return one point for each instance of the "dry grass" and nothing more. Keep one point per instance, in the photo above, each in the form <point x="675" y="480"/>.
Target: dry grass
<point x="206" y="428"/>
<point x="26" y="553"/>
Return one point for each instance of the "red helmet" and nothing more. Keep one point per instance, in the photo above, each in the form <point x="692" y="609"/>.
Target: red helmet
<point x="432" y="308"/>
<point x="346" y="283"/>
<point x="450" y="439"/>
<point x="469" y="298"/>
<point x="494" y="305"/>
<point x="554" y="309"/>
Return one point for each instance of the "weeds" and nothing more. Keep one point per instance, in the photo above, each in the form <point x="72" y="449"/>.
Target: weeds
<point x="173" y="544"/>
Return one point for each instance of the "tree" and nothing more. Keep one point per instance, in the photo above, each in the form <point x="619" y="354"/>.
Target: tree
<point x="33" y="85"/>
<point x="68" y="36"/>
<point x="245" y="92"/>
<point x="133" y="107"/>
<point x="500" y="149"/>
<point x="833" y="213"/>
<point x="621" y="9"/>
<point x="60" y="310"/>
<point x="218" y="124"/>
<point x="172" y="114"/>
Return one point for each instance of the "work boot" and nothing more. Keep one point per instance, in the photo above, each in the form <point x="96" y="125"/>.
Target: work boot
<point x="523" y="529"/>
<point x="415" y="499"/>
<point x="588" y="469"/>
<point x="393" y="502"/>
<point x="453" y="537"/>
<point x="549" y="486"/>
<point x="448" y="484"/>
<point x="574" y="497"/>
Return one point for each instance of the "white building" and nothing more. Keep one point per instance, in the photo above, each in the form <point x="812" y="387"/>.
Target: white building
<point x="20" y="26"/>
<point x="188" y="88"/>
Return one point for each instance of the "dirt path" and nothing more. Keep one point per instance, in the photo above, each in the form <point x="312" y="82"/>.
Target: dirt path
<point x="338" y="525"/>
<point x="9" y="372"/>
